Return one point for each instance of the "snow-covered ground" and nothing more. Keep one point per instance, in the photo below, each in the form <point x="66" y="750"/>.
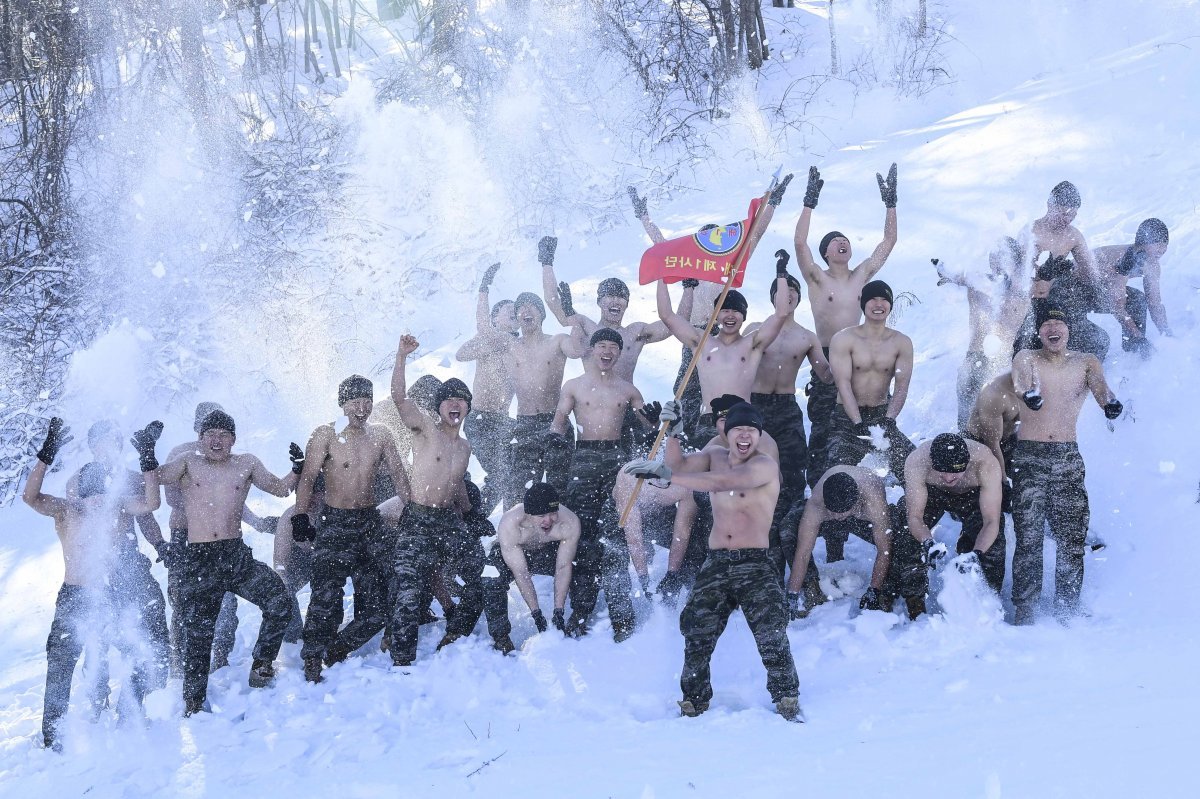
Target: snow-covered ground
<point x="957" y="704"/>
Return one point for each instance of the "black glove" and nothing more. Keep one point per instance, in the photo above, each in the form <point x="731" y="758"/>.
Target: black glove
<point x="56" y="437"/>
<point x="937" y="264"/>
<point x="669" y="585"/>
<point x="887" y="188"/>
<point x="488" y="277"/>
<point x="795" y="608"/>
<point x="546" y="248"/>
<point x="690" y="282"/>
<point x="540" y="621"/>
<point x="564" y="296"/>
<point x="651" y="411"/>
<point x="870" y="600"/>
<point x="143" y="441"/>
<point x="1137" y="344"/>
<point x="1054" y="267"/>
<point x="1033" y="399"/>
<point x="815" y="184"/>
<point x="639" y="203"/>
<point x="1112" y="409"/>
<point x="862" y="430"/>
<point x="777" y="193"/>
<point x="559" y="442"/>
<point x="302" y="528"/>
<point x="931" y="552"/>
<point x="168" y="553"/>
<point x="296" y="456"/>
<point x="556" y="618"/>
<point x="781" y="262"/>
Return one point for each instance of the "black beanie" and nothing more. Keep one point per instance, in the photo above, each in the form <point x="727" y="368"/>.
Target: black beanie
<point x="612" y="287"/>
<point x="203" y="410"/>
<point x="721" y="405"/>
<point x="453" y="389"/>
<point x="1066" y="195"/>
<point x="949" y="453"/>
<point x="876" y="288"/>
<point x="540" y="499"/>
<point x="839" y="492"/>
<point x="792" y="281"/>
<point x="423" y="392"/>
<point x="218" y="420"/>
<point x="529" y="298"/>
<point x="93" y="480"/>
<point x="355" y="387"/>
<point x="743" y="415"/>
<point x="735" y="301"/>
<point x="830" y="236"/>
<point x="1152" y="231"/>
<point x="1046" y="312"/>
<point x="606" y="334"/>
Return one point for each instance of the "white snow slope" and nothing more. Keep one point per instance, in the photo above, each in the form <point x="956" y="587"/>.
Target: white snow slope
<point x="954" y="705"/>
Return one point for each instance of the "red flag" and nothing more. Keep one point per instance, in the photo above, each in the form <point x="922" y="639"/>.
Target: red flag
<point x="704" y="255"/>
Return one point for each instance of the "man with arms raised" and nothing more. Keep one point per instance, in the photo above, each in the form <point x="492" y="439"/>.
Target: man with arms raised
<point x="954" y="475"/>
<point x="214" y="483"/>
<point x="539" y="536"/>
<point x="489" y="427"/>
<point x="431" y="528"/>
<point x="1047" y="467"/>
<point x="834" y="293"/>
<point x="744" y="485"/>
<point x="352" y="539"/>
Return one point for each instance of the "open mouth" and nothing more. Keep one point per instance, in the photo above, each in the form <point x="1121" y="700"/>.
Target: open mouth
<point x="842" y="250"/>
<point x="606" y="359"/>
<point x="455" y="416"/>
<point x="1054" y="338"/>
<point x="742" y="447"/>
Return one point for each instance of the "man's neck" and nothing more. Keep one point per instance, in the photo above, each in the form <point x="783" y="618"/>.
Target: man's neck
<point x="838" y="269"/>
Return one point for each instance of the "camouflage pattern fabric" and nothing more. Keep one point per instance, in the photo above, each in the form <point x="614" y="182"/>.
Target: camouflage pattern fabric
<point x="822" y="402"/>
<point x="847" y="449"/>
<point x="489" y="435"/>
<point x="535" y="454"/>
<point x="541" y="560"/>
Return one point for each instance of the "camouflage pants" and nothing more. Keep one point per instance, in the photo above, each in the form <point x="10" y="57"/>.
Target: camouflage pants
<point x="225" y="635"/>
<point x="822" y="402"/>
<point x="602" y="560"/>
<point x="962" y="508"/>
<point x="784" y="421"/>
<point x="847" y="449"/>
<point x="210" y="570"/>
<point x="350" y="543"/>
<point x="729" y="579"/>
<point x="433" y="537"/>
<point x="298" y="574"/>
<point x="535" y="456"/>
<point x="691" y="400"/>
<point x="542" y="560"/>
<point x="1048" y="487"/>
<point x="489" y="435"/>
<point x="139" y="599"/>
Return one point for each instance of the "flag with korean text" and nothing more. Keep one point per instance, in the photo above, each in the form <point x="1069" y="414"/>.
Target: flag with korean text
<point x="708" y="254"/>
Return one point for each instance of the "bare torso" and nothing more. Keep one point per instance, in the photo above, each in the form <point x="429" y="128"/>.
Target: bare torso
<point x="538" y="362"/>
<point x="781" y="361"/>
<point x="90" y="537"/>
<point x="351" y="461"/>
<point x="834" y="298"/>
<point x="1058" y="242"/>
<point x="494" y="384"/>
<point x="727" y="365"/>
<point x="874" y="356"/>
<point x="440" y="458"/>
<point x="214" y="493"/>
<point x="1063" y="380"/>
<point x="599" y="403"/>
<point x="996" y="411"/>
<point x="741" y="518"/>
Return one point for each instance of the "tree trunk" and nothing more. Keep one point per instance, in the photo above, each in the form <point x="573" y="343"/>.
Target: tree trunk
<point x="835" y="68"/>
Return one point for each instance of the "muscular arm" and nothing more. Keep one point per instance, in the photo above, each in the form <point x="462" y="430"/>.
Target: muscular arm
<point x="395" y="464"/>
<point x="755" y="472"/>
<point x="514" y="558"/>
<point x="681" y="463"/>
<point x="1116" y="284"/>
<point x="875" y="503"/>
<point x="679" y="326"/>
<point x="261" y="478"/>
<point x="151" y="531"/>
<point x="44" y="504"/>
<point x="1096" y="382"/>
<point x="816" y="359"/>
<point x="1024" y="373"/>
<point x="1158" y="311"/>
<point x="562" y="413"/>
<point x="843" y="371"/>
<point x="483" y="344"/>
<point x="902" y="374"/>
<point x="874" y="263"/>
<point x="651" y="229"/>
<point x="991" y="494"/>
<point x="768" y="331"/>
<point x="808" y="267"/>
<point x="410" y="414"/>
<point x="1083" y="256"/>
<point x="806" y="539"/>
<point x="564" y="563"/>
<point x="150" y="500"/>
<point x="315" y="454"/>
<point x="916" y="495"/>
<point x="281" y="552"/>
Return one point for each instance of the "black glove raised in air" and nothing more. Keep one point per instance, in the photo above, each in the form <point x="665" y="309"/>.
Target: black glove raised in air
<point x="651" y="412"/>
<point x="639" y="203"/>
<point x="488" y="277"/>
<point x="565" y="298"/>
<point x="56" y="437"/>
<point x="690" y="282"/>
<point x="1113" y="409"/>
<point x="546" y="248"/>
<point x="296" y="456"/>
<point x="143" y="443"/>
<point x="815" y="184"/>
<point x="887" y="188"/>
<point x="777" y="193"/>
<point x="1033" y="399"/>
<point x="302" y="528"/>
<point x="781" y="262"/>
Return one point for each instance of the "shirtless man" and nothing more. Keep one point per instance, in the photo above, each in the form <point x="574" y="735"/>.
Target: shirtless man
<point x="954" y="475"/>
<point x="214" y="483"/>
<point x="1065" y="274"/>
<point x="489" y="427"/>
<point x="993" y="423"/>
<point x="90" y="531"/>
<point x="539" y="536"/>
<point x="353" y="539"/>
<point x="834" y="293"/>
<point x="872" y="366"/>
<point x="431" y="528"/>
<point x="744" y="486"/>
<point x="851" y="499"/>
<point x="1121" y="263"/>
<point x="1048" y="484"/>
<point x="599" y="399"/>
<point x="996" y="306"/>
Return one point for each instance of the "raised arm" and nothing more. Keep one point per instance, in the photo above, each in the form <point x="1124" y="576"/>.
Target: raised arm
<point x="643" y="215"/>
<point x="653" y="332"/>
<point x="808" y="268"/>
<point x="679" y="326"/>
<point x="842" y="365"/>
<point x="769" y="330"/>
<point x="483" y="309"/>
<point x="32" y="496"/>
<point x="564" y="563"/>
<point x="902" y="374"/>
<point x="887" y="192"/>
<point x="143" y="443"/>
<point x="410" y="414"/>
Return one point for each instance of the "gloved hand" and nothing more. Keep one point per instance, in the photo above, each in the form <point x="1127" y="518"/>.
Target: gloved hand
<point x="557" y="619"/>
<point x="546" y="248"/>
<point x="540" y="621"/>
<point x="671" y="412"/>
<point x="143" y="443"/>
<point x="937" y="264"/>
<point x="488" y="276"/>
<point x="870" y="600"/>
<point x="863" y="430"/>
<point x="559" y="442"/>
<point x="669" y="586"/>
<point x="887" y="188"/>
<point x="649" y="470"/>
<point x="651" y="412"/>
<point x="639" y="203"/>
<point x="1137" y="344"/>
<point x="690" y="282"/>
<point x="169" y="553"/>
<point x="644" y="581"/>
<point x="795" y="609"/>
<point x="56" y="437"/>
<point x="781" y="261"/>
<point x="932" y="552"/>
<point x="777" y="193"/>
<point x="1112" y="409"/>
<point x="296" y="456"/>
<point x="815" y="184"/>
<point x="302" y="528"/>
<point x="564" y="295"/>
<point x="1033" y="399"/>
<point x="1054" y="267"/>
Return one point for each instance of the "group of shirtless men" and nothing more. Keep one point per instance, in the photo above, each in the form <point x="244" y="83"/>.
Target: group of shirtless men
<point x="749" y="492"/>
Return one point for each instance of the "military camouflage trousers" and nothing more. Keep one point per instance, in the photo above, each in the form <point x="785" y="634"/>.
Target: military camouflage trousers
<point x="729" y="579"/>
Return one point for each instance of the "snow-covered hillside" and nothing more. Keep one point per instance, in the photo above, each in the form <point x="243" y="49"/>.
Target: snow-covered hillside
<point x="956" y="704"/>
